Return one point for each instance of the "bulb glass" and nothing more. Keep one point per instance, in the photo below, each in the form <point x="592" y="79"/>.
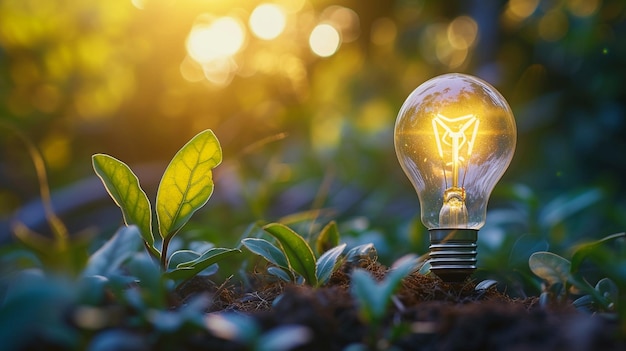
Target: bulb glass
<point x="455" y="136"/>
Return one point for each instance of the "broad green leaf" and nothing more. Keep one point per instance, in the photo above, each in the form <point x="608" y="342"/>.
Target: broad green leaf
<point x="328" y="238"/>
<point x="280" y="273"/>
<point x="485" y="284"/>
<point x="550" y="267"/>
<point x="187" y="270"/>
<point x="360" y="252"/>
<point x="267" y="250"/>
<point x="147" y="271"/>
<point x="586" y="250"/>
<point x="583" y="285"/>
<point x="187" y="183"/>
<point x="326" y="264"/>
<point x="369" y="294"/>
<point x="123" y="186"/>
<point x="108" y="258"/>
<point x="180" y="257"/>
<point x="298" y="252"/>
<point x="400" y="269"/>
<point x="374" y="297"/>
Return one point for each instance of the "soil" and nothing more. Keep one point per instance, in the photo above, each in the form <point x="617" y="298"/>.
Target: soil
<point x="426" y="314"/>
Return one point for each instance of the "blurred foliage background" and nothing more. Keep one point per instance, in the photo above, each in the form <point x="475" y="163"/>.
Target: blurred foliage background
<point x="303" y="95"/>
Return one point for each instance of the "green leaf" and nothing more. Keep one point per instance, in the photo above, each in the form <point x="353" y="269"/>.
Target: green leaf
<point x="328" y="238"/>
<point x="280" y="273"/>
<point x="284" y="338"/>
<point x="361" y="252"/>
<point x="232" y="326"/>
<point x="374" y="297"/>
<point x="550" y="267"/>
<point x="485" y="284"/>
<point x="108" y="258"/>
<point x="151" y="288"/>
<point x="187" y="183"/>
<point x="123" y="186"/>
<point x="180" y="257"/>
<point x="586" y="250"/>
<point x="266" y="250"/>
<point x="607" y="288"/>
<point x="326" y="264"/>
<point x="400" y="269"/>
<point x="187" y="270"/>
<point x="369" y="294"/>
<point x="298" y="252"/>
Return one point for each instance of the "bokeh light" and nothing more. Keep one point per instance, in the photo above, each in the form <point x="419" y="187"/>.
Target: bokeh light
<point x="553" y="25"/>
<point x="345" y="20"/>
<point x="267" y="21"/>
<point x="218" y="39"/>
<point x="324" y="40"/>
<point x="521" y="9"/>
<point x="583" y="8"/>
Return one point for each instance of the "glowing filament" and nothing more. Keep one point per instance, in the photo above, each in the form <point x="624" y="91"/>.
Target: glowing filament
<point x="456" y="139"/>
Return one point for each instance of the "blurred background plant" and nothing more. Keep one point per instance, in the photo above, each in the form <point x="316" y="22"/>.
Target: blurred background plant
<point x="303" y="96"/>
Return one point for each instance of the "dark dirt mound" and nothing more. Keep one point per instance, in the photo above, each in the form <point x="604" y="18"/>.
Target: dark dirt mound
<point x="426" y="314"/>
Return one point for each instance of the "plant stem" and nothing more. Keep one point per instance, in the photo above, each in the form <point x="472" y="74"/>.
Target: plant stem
<point x="166" y="242"/>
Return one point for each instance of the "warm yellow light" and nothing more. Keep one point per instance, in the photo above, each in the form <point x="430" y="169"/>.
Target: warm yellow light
<point x="222" y="38"/>
<point x="583" y="8"/>
<point x="454" y="136"/>
<point x="267" y="21"/>
<point x="345" y="20"/>
<point x="521" y="9"/>
<point x="553" y="26"/>
<point x="383" y="31"/>
<point x="462" y="32"/>
<point x="140" y="4"/>
<point x="453" y="133"/>
<point x="324" y="40"/>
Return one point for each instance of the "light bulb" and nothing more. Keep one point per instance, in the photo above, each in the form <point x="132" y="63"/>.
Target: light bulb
<point x="454" y="136"/>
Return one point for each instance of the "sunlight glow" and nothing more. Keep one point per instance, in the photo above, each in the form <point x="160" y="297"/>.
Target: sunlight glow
<point x="583" y="8"/>
<point x="324" y="40"/>
<point x="267" y="21"/>
<point x="521" y="9"/>
<point x="222" y="38"/>
<point x="462" y="32"/>
<point x="553" y="26"/>
<point x="345" y="20"/>
<point x="139" y="4"/>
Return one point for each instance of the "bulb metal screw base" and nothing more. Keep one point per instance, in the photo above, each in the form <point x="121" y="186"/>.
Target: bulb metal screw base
<point x="453" y="253"/>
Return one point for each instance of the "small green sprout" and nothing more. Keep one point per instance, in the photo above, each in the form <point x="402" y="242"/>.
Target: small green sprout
<point x="185" y="187"/>
<point x="293" y="258"/>
<point x="560" y="276"/>
<point x="373" y="297"/>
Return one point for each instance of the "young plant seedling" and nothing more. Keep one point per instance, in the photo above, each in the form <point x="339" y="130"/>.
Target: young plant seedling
<point x="373" y="298"/>
<point x="185" y="187"/>
<point x="294" y="258"/>
<point x="560" y="274"/>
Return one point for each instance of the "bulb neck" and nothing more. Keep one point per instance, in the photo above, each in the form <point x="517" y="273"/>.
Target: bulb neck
<point x="453" y="253"/>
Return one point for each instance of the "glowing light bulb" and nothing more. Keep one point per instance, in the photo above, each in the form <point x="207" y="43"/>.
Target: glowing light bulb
<point x="454" y="136"/>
